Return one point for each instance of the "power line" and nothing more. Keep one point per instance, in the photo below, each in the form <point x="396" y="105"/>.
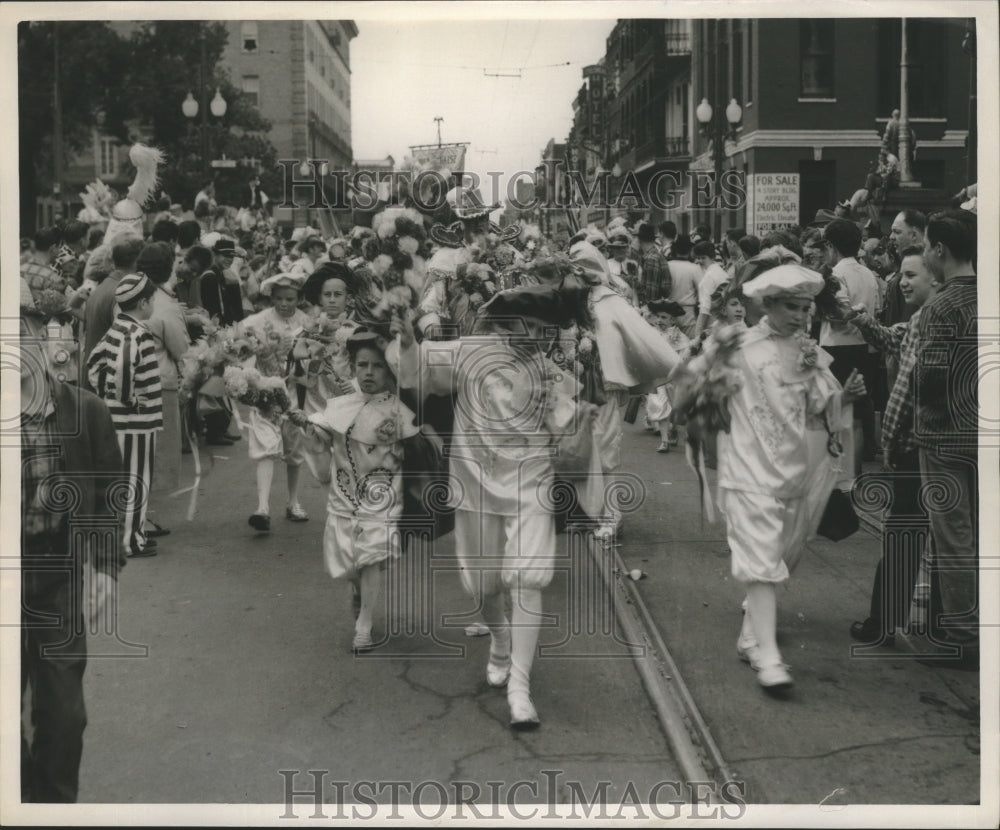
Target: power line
<point x="477" y="68"/>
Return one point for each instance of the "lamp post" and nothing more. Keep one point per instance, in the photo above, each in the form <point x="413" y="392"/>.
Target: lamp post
<point x="718" y="131"/>
<point x="191" y="108"/>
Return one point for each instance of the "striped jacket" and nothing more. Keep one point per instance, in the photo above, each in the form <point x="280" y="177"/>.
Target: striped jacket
<point x="124" y="371"/>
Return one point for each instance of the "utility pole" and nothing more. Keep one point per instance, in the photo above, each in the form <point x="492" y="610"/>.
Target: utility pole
<point x="905" y="171"/>
<point x="439" y="119"/>
<point x="57" y="134"/>
<point x="969" y="47"/>
<point x="204" y="107"/>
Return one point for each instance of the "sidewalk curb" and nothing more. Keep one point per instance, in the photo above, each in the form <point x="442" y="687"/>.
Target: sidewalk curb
<point x="687" y="733"/>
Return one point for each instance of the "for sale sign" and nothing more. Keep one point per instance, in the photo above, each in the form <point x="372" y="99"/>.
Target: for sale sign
<point x="772" y="202"/>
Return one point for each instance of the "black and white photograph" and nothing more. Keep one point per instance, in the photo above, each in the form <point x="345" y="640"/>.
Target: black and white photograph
<point x="475" y="413"/>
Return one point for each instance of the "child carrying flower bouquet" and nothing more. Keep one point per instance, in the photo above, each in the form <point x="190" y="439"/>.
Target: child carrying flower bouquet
<point x="321" y="363"/>
<point x="272" y="436"/>
<point x="364" y="431"/>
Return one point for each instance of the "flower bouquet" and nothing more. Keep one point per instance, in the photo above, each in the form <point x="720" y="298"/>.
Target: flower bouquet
<point x="270" y="347"/>
<point x="703" y="385"/>
<point x="477" y="281"/>
<point x="205" y="359"/>
<point x="249" y="386"/>
<point x="51" y="303"/>
<point x="321" y="347"/>
<point x="396" y="251"/>
<point x="705" y="382"/>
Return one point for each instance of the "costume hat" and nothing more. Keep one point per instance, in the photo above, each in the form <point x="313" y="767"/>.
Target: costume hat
<point x="467" y="203"/>
<point x="790" y="279"/>
<point x="130" y="287"/>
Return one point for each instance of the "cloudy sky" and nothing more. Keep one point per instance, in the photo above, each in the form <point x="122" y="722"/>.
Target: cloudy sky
<point x="404" y="74"/>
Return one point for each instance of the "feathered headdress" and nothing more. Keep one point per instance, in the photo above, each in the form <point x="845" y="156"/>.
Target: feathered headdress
<point x="97" y="200"/>
<point x="146" y="159"/>
<point x="126" y="215"/>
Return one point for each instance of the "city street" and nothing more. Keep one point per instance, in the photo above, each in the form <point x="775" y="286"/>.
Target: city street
<point x="248" y="671"/>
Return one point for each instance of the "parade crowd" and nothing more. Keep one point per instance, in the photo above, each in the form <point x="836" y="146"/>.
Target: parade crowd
<point x="406" y="352"/>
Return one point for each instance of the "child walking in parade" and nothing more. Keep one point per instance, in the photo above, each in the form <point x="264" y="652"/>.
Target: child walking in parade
<point x="322" y="369"/>
<point x="319" y="364"/>
<point x="778" y="462"/>
<point x="272" y="438"/>
<point x="513" y="407"/>
<point x="363" y="432"/>
<point x="660" y="413"/>
<point x="123" y="370"/>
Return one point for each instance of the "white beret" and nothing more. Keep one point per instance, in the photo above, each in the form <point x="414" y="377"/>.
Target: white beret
<point x="789" y="279"/>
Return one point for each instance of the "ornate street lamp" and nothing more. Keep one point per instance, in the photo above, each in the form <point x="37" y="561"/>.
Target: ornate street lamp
<point x="718" y="132"/>
<point x="191" y="108"/>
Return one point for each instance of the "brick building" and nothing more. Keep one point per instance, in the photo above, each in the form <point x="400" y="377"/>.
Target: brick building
<point x="299" y="74"/>
<point x="813" y="98"/>
<point x="816" y="94"/>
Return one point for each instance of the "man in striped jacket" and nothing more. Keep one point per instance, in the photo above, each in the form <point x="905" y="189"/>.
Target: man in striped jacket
<point x="123" y="370"/>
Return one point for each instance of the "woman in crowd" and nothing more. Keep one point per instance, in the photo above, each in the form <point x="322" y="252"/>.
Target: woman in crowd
<point x="170" y="339"/>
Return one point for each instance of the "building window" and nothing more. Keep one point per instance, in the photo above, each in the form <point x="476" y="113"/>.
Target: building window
<point x="107" y="158"/>
<point x="249" y="35"/>
<point x="816" y="58"/>
<point x="251" y="89"/>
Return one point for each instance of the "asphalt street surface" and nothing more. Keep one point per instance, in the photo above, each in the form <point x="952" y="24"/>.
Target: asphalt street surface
<point x="230" y="669"/>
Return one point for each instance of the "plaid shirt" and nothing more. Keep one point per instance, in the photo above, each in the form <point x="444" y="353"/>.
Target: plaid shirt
<point x="41" y="461"/>
<point x="654" y="276"/>
<point x="899" y="340"/>
<point x="945" y="375"/>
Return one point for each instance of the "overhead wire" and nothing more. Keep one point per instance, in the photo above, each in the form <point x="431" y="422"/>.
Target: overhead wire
<point x="479" y="68"/>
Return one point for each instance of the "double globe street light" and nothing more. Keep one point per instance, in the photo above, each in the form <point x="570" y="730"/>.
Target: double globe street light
<point x="191" y="108"/>
<point x="718" y="131"/>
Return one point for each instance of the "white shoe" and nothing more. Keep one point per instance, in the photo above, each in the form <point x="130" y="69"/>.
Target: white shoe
<point x="362" y="642"/>
<point x="522" y="711"/>
<point x="749" y="651"/>
<point x="498" y="671"/>
<point x="774" y="677"/>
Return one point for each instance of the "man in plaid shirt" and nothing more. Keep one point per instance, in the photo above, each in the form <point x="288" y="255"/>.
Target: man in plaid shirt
<point x="946" y="427"/>
<point x="906" y="523"/>
<point x="70" y="466"/>
<point x="654" y="272"/>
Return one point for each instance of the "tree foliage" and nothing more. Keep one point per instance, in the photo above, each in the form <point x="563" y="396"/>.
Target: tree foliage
<point x="138" y="83"/>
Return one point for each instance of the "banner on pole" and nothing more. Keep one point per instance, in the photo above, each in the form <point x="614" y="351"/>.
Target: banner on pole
<point x="772" y="202"/>
<point x="444" y="157"/>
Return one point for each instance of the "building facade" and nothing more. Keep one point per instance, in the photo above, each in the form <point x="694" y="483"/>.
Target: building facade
<point x="811" y="99"/>
<point x="815" y="95"/>
<point x="298" y="72"/>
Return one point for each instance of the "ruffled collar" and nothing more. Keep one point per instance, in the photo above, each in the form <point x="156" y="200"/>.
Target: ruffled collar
<point x="371" y="419"/>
